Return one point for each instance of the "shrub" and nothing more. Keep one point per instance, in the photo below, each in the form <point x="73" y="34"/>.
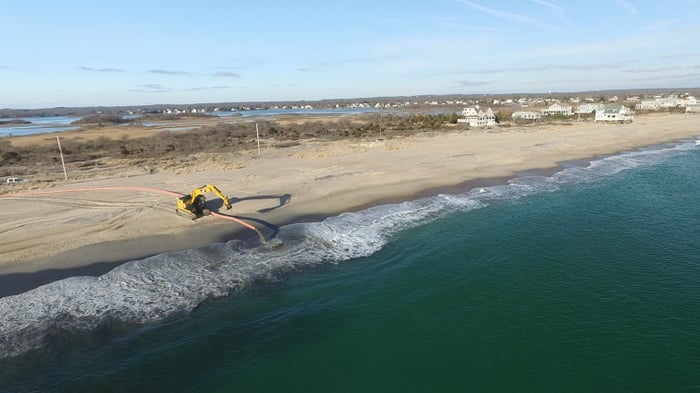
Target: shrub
<point x="101" y="119"/>
<point x="11" y="156"/>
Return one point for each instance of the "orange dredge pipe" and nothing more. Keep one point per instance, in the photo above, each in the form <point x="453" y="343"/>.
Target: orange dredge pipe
<point x="130" y="188"/>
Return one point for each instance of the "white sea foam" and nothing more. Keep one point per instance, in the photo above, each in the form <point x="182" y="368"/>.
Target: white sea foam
<point x="160" y="286"/>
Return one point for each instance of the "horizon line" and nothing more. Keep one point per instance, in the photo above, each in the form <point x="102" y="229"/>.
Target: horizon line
<point x="597" y="91"/>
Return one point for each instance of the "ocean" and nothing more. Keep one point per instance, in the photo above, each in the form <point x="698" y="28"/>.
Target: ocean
<point x="583" y="280"/>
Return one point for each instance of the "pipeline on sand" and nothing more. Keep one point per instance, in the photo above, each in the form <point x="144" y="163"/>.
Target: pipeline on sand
<point x="144" y="189"/>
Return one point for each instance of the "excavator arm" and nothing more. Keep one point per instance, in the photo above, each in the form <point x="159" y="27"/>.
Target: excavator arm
<point x="194" y="204"/>
<point x="212" y="188"/>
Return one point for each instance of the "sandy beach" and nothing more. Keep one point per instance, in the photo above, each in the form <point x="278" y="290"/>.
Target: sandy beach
<point x="285" y="184"/>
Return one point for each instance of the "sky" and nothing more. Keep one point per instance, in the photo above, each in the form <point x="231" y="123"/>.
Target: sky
<point x="123" y="53"/>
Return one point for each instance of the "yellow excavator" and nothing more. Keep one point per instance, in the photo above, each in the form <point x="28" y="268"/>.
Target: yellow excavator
<point x="194" y="205"/>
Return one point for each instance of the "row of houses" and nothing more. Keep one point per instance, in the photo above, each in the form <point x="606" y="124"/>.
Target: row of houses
<point x="609" y="113"/>
<point x="689" y="102"/>
<point x="560" y="110"/>
<point x="476" y="117"/>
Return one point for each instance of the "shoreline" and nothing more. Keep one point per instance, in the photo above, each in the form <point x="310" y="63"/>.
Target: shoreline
<point x="37" y="273"/>
<point x="323" y="180"/>
<point x="19" y="281"/>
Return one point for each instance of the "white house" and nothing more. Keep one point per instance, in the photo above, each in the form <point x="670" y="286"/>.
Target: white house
<point x="590" y="108"/>
<point x="524" y="115"/>
<point x="669" y="102"/>
<point x="693" y="107"/>
<point x="476" y="117"/>
<point x="647" y="105"/>
<point x="660" y="103"/>
<point x="615" y="114"/>
<point x="556" y="109"/>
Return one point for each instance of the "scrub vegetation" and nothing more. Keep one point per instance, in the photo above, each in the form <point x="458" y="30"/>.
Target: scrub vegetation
<point x="223" y="137"/>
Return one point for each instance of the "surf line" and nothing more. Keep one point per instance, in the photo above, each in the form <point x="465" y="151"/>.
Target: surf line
<point x="133" y="188"/>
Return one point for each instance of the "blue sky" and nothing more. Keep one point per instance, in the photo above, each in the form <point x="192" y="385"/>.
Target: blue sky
<point x="79" y="53"/>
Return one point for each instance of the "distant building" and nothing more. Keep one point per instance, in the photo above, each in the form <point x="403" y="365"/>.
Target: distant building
<point x="693" y="107"/>
<point x="590" y="108"/>
<point x="661" y="103"/>
<point x="477" y="118"/>
<point x="525" y="115"/>
<point x="556" y="109"/>
<point x="669" y="102"/>
<point x="615" y="114"/>
<point x="647" y="105"/>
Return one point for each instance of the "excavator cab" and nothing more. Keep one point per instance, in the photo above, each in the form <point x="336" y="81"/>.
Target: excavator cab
<point x="194" y="205"/>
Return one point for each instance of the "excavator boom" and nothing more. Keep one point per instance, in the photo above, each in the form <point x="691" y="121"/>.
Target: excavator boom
<point x="212" y="188"/>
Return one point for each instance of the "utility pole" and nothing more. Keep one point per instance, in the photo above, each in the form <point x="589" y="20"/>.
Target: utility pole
<point x="257" y="136"/>
<point x="60" y="151"/>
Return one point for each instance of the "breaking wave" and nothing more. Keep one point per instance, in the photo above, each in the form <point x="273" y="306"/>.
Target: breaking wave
<point x="154" y="288"/>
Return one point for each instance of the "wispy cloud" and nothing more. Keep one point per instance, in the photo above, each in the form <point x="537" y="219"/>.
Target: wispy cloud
<point x="3" y="67"/>
<point x="206" y="88"/>
<point x="668" y="77"/>
<point x="548" y="67"/>
<point x="168" y="72"/>
<point x="91" y="69"/>
<point x="510" y="16"/>
<point x="613" y="47"/>
<point x="226" y="74"/>
<point x="304" y="69"/>
<point x="281" y="85"/>
<point x="467" y="83"/>
<point x="627" y="6"/>
<point x="509" y="69"/>
<point x="151" y="88"/>
<point x="590" y="67"/>
<point x="352" y="60"/>
<point x="679" y="55"/>
<point x="554" y="9"/>
<point x="158" y="88"/>
<point x="654" y="69"/>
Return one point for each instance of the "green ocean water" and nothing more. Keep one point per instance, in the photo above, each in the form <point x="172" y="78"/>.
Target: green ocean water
<point x="589" y="285"/>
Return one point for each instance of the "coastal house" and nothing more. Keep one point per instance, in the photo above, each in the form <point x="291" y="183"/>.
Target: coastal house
<point x="526" y="115"/>
<point x="660" y="103"/>
<point x="647" y="105"/>
<point x="589" y="108"/>
<point x="475" y="117"/>
<point x="615" y="114"/>
<point x="693" y="107"/>
<point x="556" y="109"/>
<point x="670" y="102"/>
